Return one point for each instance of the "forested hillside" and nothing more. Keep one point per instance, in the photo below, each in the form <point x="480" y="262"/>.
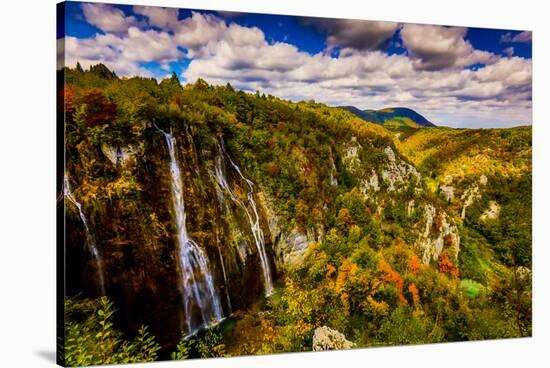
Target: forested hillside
<point x="198" y="205"/>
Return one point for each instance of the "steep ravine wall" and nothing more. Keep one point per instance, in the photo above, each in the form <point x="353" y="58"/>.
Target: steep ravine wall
<point x="130" y="212"/>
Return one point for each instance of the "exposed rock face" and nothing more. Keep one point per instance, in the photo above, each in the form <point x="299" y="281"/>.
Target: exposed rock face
<point x="370" y="184"/>
<point x="492" y="212"/>
<point x="448" y="191"/>
<point x="290" y="246"/>
<point x="438" y="233"/>
<point x="483" y="180"/>
<point x="325" y="338"/>
<point x="333" y="180"/>
<point x="410" y="207"/>
<point x="470" y="195"/>
<point x="397" y="172"/>
<point x="351" y="156"/>
<point x="124" y="157"/>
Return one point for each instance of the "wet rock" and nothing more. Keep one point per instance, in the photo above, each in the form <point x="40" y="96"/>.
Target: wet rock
<point x="123" y="157"/>
<point x="325" y="338"/>
<point x="290" y="245"/>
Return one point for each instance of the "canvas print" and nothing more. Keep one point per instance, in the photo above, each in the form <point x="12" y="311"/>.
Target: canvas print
<point x="238" y="184"/>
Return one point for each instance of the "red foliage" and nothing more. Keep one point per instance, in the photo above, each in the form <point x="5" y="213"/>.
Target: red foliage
<point x="99" y="110"/>
<point x="68" y="95"/>
<point x="447" y="266"/>
<point x="448" y="240"/>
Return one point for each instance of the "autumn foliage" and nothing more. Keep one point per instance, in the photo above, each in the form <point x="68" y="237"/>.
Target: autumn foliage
<point x="99" y="110"/>
<point x="447" y="266"/>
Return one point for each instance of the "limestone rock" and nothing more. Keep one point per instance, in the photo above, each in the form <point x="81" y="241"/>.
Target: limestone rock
<point x="290" y="245"/>
<point x="492" y="212"/>
<point x="448" y="191"/>
<point x="439" y="231"/>
<point x="351" y="156"/>
<point x="469" y="197"/>
<point x="397" y="172"/>
<point x="325" y="338"/>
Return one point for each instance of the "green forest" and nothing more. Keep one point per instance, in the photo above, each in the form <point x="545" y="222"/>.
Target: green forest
<point x="297" y="216"/>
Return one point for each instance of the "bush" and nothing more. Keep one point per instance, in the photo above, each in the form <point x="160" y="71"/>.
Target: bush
<point x="91" y="339"/>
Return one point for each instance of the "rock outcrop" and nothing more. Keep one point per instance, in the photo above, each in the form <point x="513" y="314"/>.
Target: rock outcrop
<point x="438" y="233"/>
<point x="397" y="173"/>
<point x="325" y="338"/>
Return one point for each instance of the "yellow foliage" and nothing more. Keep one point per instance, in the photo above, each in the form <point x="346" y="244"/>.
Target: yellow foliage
<point x="379" y="308"/>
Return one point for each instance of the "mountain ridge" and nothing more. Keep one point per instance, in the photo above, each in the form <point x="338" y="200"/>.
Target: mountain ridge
<point x="391" y="116"/>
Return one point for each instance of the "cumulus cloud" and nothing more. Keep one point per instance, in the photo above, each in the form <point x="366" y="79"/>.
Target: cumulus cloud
<point x="108" y="18"/>
<point x="357" y="34"/>
<point x="432" y="78"/>
<point x="438" y="47"/>
<point x="123" y="54"/>
<point x="163" y="18"/>
<point x="522" y="37"/>
<point x="509" y="51"/>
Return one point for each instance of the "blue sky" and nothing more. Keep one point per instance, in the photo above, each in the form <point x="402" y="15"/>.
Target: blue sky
<point x="453" y="75"/>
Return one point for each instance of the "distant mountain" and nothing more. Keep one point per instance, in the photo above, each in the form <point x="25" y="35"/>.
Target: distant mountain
<point x="394" y="116"/>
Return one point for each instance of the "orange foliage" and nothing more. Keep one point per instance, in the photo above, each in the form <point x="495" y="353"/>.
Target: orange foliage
<point x="414" y="264"/>
<point x="330" y="270"/>
<point x="447" y="266"/>
<point x="346" y="271"/>
<point x="390" y="274"/>
<point x="414" y="292"/>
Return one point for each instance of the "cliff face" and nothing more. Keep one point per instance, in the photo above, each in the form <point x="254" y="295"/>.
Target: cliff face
<point x="128" y="202"/>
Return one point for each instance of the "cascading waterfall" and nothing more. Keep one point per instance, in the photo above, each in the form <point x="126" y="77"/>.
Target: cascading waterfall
<point x="225" y="281"/>
<point x="198" y="291"/>
<point x="90" y="240"/>
<point x="253" y="217"/>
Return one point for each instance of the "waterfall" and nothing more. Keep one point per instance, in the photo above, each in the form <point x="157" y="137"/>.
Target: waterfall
<point x="198" y="291"/>
<point x="225" y="281"/>
<point x="253" y="217"/>
<point x="90" y="240"/>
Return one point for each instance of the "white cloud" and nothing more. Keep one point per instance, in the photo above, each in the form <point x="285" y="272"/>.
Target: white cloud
<point x="432" y="79"/>
<point x="108" y="18"/>
<point x="163" y="18"/>
<point x="438" y="47"/>
<point x="522" y="37"/>
<point x="123" y="54"/>
<point x="357" y="34"/>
